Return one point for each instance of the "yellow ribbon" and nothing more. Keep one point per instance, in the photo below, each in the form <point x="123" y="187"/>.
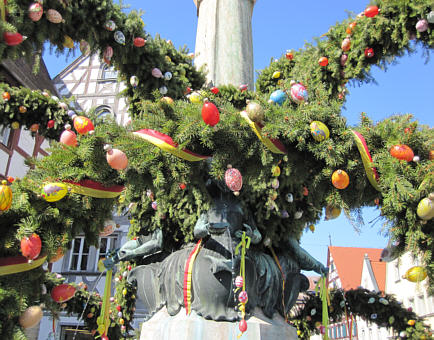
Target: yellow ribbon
<point x="103" y="320"/>
<point x="244" y="244"/>
<point x="21" y="267"/>
<point x="3" y="10"/>
<point x="325" y="298"/>
<point x="257" y="130"/>
<point x="79" y="189"/>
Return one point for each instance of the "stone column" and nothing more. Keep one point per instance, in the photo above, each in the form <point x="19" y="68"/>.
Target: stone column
<point x="224" y="41"/>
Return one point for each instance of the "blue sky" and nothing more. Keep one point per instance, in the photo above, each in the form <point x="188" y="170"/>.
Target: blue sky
<point x="279" y="25"/>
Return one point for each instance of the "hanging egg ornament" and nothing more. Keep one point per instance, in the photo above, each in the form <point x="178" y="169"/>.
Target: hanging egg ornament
<point x="242" y="326"/>
<point x="298" y="92"/>
<point x="243" y="87"/>
<point x="154" y="205"/>
<point x="116" y="158"/>
<point x="6" y="96"/>
<point x="110" y="25"/>
<point x="276" y="74"/>
<point x="239" y="281"/>
<point x="344" y="58"/>
<point x="82" y="125"/>
<point x="425" y="208"/>
<point x="402" y="152"/>
<point x="54" y="192"/>
<point x="156" y="72"/>
<point x="139" y="42"/>
<point x="31" y="246"/>
<point x="371" y="11"/>
<point x="15" y="125"/>
<point x="298" y="214"/>
<point x="319" y="131"/>
<point x="54" y="16"/>
<point x="63" y="293"/>
<point x="31" y="317"/>
<point x="12" y="39"/>
<point x="68" y="137"/>
<point x="275" y="171"/>
<point x="163" y="90"/>
<point x="119" y="37"/>
<point x="332" y="212"/>
<point x="289" y="55"/>
<point x="369" y="52"/>
<point x="34" y="127"/>
<point x="50" y="124"/>
<point x="195" y="98"/>
<point x="422" y="25"/>
<point x="167" y="100"/>
<point x="255" y="111"/>
<point x="242" y="297"/>
<point x="340" y="179"/>
<point x="214" y="90"/>
<point x="284" y="214"/>
<point x="233" y="179"/>
<point x="430" y="17"/>
<point x="68" y="42"/>
<point x="84" y="47"/>
<point x="351" y="27"/>
<point x="108" y="53"/>
<point x="415" y="274"/>
<point x="346" y="44"/>
<point x="323" y="61"/>
<point x="168" y="75"/>
<point x="63" y="106"/>
<point x="275" y="183"/>
<point x="134" y="81"/>
<point x="5" y="196"/>
<point x="35" y="11"/>
<point x="210" y="113"/>
<point x="289" y="198"/>
<point x="278" y="97"/>
<point x="312" y="228"/>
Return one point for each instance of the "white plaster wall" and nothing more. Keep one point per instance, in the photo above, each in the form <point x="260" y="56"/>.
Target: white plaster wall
<point x="17" y="168"/>
<point x="26" y="142"/>
<point x="3" y="162"/>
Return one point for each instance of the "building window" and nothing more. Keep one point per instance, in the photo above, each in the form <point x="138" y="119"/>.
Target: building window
<point x="84" y="257"/>
<point x="344" y="330"/>
<point x="103" y="111"/>
<point x="109" y="72"/>
<point x="5" y="133"/>
<point x="339" y="331"/>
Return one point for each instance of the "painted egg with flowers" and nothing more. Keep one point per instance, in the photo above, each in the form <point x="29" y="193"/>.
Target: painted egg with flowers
<point x="402" y="152"/>
<point x="234" y="179"/>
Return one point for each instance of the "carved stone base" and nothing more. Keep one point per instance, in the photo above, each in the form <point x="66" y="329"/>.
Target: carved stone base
<point x="162" y="326"/>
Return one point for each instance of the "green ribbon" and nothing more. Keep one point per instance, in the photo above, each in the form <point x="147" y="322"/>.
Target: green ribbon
<point x="325" y="298"/>
<point x="3" y="10"/>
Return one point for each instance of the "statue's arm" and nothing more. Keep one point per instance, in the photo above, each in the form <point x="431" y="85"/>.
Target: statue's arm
<point x="306" y="261"/>
<point x="201" y="227"/>
<point x="142" y="246"/>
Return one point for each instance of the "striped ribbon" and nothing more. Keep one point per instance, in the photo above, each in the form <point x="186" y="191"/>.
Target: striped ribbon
<point x="18" y="264"/>
<point x="187" y="276"/>
<point x="94" y="189"/>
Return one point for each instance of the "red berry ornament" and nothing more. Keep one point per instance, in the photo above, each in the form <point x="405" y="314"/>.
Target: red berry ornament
<point x="210" y="113"/>
<point x="371" y="11"/>
<point x="31" y="246"/>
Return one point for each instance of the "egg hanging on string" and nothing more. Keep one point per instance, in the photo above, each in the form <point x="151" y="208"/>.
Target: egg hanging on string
<point x="210" y="113"/>
<point x="298" y="92"/>
<point x="369" y="52"/>
<point x="31" y="317"/>
<point x="402" y="152"/>
<point x="116" y="158"/>
<point x="346" y="45"/>
<point x="340" y="179"/>
<point x="422" y="25"/>
<point x="35" y="11"/>
<point x="110" y="25"/>
<point x="68" y="137"/>
<point x="319" y="131"/>
<point x="63" y="292"/>
<point x="12" y="38"/>
<point x="415" y="274"/>
<point x="255" y="111"/>
<point x="5" y="196"/>
<point x="168" y="75"/>
<point x="119" y="37"/>
<point x="163" y="90"/>
<point x="139" y="42"/>
<point x="371" y="11"/>
<point x="31" y="246"/>
<point x="134" y="81"/>
<point x="156" y="72"/>
<point x="54" y="16"/>
<point x="53" y="192"/>
<point x="233" y="180"/>
<point x="425" y="208"/>
<point x="323" y="61"/>
<point x="430" y="17"/>
<point x="278" y="97"/>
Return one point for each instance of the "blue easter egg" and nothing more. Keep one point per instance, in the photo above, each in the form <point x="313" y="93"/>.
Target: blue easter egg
<point x="278" y="97"/>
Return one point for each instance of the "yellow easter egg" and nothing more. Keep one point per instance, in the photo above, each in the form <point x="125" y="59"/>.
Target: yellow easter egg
<point x="53" y="192"/>
<point x="319" y="131"/>
<point x="195" y="98"/>
<point x="276" y="74"/>
<point x="425" y="209"/>
<point x="415" y="274"/>
<point x="68" y="42"/>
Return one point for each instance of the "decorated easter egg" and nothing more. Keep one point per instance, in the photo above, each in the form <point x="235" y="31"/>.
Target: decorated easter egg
<point x="255" y="111"/>
<point x="119" y="37"/>
<point x="134" y="81"/>
<point x="54" y="16"/>
<point x="31" y="246"/>
<point x="31" y="316"/>
<point x="84" y="47"/>
<point x="168" y="75"/>
<point x="210" y="113"/>
<point x="340" y="179"/>
<point x="278" y="97"/>
<point x="156" y="72"/>
<point x="239" y="281"/>
<point x="35" y="11"/>
<point x="415" y="274"/>
<point x="344" y="58"/>
<point x="63" y="292"/>
<point x="108" y="53"/>
<point x="233" y="179"/>
<point x="346" y="45"/>
<point x="139" y="42"/>
<point x="425" y="209"/>
<point x="53" y="192"/>
<point x="110" y="25"/>
<point x="117" y="159"/>
<point x="422" y="25"/>
<point x="319" y="131"/>
<point x="68" y="137"/>
<point x="298" y="93"/>
<point x="12" y="39"/>
<point x="243" y="297"/>
<point x="276" y="75"/>
<point x="68" y="42"/>
<point x="369" y="52"/>
<point x="402" y="152"/>
<point x="430" y="17"/>
<point x="83" y="125"/>
<point x="5" y="196"/>
<point x="332" y="212"/>
<point x="323" y="61"/>
<point x="195" y="98"/>
<point x="163" y="90"/>
<point x="242" y="326"/>
<point x="371" y="11"/>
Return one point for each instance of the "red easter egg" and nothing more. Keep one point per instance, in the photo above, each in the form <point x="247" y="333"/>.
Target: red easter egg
<point x="182" y="186"/>
<point x="34" y="127"/>
<point x="68" y="137"/>
<point x="214" y="90"/>
<point x="83" y="125"/>
<point x="50" y="124"/>
<point x="371" y="11"/>
<point x="6" y="96"/>
<point x="233" y="179"/>
<point x="346" y="44"/>
<point x="239" y="281"/>
<point x="210" y="113"/>
<point x="402" y="152"/>
<point x="12" y="39"/>
<point x="35" y="11"/>
<point x="31" y="246"/>
<point x="323" y="61"/>
<point x="242" y="297"/>
<point x="369" y="52"/>
<point x="242" y="326"/>
<point x="117" y="159"/>
<point x="139" y="42"/>
<point x="63" y="293"/>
